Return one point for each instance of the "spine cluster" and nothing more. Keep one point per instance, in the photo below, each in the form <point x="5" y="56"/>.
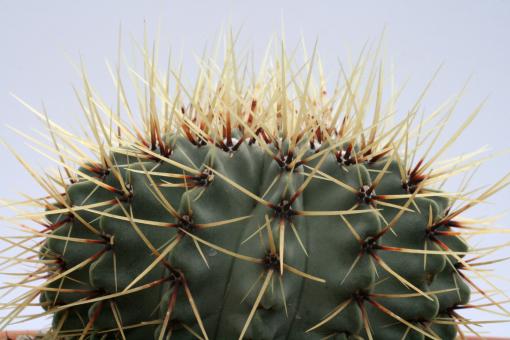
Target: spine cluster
<point x="261" y="209"/>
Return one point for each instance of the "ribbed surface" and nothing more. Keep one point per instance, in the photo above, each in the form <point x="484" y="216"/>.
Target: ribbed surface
<point x="362" y="278"/>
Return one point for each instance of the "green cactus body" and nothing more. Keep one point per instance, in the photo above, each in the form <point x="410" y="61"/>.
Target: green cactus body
<point x="259" y="218"/>
<point x="329" y="232"/>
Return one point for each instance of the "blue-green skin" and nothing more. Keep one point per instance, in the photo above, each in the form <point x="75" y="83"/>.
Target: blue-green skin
<point x="219" y="288"/>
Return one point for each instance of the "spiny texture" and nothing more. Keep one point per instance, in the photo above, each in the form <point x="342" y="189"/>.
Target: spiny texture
<point x="260" y="210"/>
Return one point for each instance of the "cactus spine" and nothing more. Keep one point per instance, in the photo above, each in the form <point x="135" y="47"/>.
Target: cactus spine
<point x="260" y="209"/>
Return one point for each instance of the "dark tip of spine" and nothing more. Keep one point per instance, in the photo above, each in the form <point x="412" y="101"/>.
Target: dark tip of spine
<point x="361" y="296"/>
<point x="271" y="261"/>
<point x="107" y="241"/>
<point x="366" y="194"/>
<point x="186" y="223"/>
<point x="369" y="245"/>
<point x="283" y="210"/>
<point x="204" y="179"/>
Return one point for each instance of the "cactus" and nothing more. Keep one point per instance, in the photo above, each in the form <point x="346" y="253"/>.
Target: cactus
<point x="261" y="209"/>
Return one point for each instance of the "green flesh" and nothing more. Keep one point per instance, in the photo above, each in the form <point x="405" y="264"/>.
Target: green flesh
<point x="219" y="287"/>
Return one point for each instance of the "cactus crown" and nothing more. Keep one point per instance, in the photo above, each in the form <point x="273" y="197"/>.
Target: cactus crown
<point x="258" y="207"/>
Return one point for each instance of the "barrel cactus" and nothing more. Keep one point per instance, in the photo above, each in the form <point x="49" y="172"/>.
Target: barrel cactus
<point x="267" y="208"/>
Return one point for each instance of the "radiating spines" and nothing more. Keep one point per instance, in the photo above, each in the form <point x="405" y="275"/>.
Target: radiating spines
<point x="322" y="221"/>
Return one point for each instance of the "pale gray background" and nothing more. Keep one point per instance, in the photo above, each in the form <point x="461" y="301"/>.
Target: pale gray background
<point x="38" y="39"/>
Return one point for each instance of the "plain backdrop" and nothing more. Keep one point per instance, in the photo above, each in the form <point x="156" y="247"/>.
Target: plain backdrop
<point x="40" y="41"/>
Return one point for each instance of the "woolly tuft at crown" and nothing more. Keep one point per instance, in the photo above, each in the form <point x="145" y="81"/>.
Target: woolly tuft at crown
<point x="256" y="206"/>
